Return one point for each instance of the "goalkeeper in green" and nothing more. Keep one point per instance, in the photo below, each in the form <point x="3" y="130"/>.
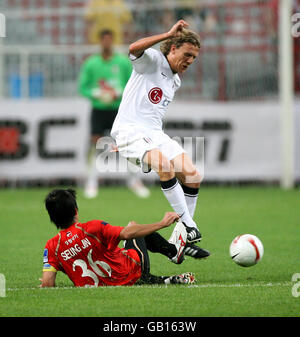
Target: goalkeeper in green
<point x="102" y="79"/>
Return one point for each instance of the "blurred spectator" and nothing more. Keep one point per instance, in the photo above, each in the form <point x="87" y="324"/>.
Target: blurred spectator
<point x="271" y="17"/>
<point x="167" y="17"/>
<point x="185" y="11"/>
<point x="102" y="14"/>
<point x="199" y="17"/>
<point x="209" y="20"/>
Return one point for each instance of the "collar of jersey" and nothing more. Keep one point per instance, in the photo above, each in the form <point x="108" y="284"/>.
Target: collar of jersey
<point x="67" y="229"/>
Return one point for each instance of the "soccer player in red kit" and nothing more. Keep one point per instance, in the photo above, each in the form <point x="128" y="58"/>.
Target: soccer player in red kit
<point x="89" y="254"/>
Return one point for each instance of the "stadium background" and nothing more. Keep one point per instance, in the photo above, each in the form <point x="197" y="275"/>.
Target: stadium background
<point x="233" y="97"/>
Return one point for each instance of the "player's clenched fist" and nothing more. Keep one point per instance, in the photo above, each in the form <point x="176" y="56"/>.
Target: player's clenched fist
<point x="177" y="28"/>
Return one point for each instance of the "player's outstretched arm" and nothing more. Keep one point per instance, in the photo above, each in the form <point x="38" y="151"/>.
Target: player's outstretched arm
<point x="137" y="48"/>
<point x="134" y="230"/>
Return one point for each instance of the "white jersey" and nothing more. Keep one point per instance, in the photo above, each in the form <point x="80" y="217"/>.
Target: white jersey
<point x="149" y="91"/>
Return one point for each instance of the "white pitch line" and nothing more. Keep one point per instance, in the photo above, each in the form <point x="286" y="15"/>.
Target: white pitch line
<point x="207" y="285"/>
<point x="240" y="285"/>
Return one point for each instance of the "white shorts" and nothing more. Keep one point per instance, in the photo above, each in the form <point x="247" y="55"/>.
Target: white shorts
<point x="134" y="142"/>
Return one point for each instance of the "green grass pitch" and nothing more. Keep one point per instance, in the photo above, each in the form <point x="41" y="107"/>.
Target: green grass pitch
<point x="222" y="288"/>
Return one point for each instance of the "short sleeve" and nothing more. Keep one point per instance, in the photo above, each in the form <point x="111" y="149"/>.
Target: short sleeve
<point x="147" y="62"/>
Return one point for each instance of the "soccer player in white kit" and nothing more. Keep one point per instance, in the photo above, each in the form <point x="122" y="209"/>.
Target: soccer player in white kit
<point x="137" y="128"/>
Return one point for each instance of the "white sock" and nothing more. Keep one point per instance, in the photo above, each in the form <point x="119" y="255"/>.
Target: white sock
<point x="191" y="197"/>
<point x="92" y="174"/>
<point x="174" y="194"/>
<point x="132" y="176"/>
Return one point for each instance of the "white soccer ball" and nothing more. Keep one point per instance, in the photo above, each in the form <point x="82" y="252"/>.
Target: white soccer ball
<point x="246" y="250"/>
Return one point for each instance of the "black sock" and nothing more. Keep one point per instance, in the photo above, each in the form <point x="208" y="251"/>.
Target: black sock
<point x="157" y="244"/>
<point x="151" y="279"/>
<point x="165" y="185"/>
<point x="191" y="191"/>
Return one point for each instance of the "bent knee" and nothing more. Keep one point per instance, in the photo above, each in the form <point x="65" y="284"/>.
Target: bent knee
<point x="193" y="179"/>
<point x="161" y="165"/>
<point x="165" y="170"/>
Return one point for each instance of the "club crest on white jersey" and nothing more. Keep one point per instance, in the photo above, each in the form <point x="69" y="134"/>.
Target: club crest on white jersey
<point x="155" y="95"/>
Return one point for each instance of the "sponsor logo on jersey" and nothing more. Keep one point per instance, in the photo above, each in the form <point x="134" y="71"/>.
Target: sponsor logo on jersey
<point x="155" y="95"/>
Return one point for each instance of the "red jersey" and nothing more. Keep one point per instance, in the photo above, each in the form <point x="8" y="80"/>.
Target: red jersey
<point x="89" y="254"/>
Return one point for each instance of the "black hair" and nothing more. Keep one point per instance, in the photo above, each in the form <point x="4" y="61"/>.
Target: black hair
<point x="62" y="207"/>
<point x="104" y="32"/>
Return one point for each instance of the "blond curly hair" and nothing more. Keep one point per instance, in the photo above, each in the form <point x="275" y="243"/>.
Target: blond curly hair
<point x="186" y="36"/>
